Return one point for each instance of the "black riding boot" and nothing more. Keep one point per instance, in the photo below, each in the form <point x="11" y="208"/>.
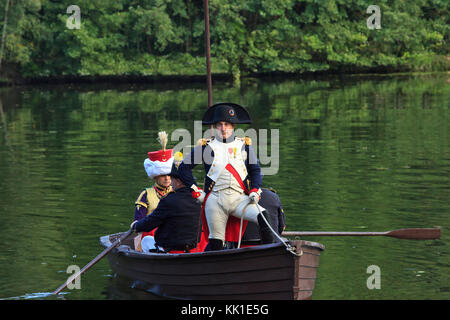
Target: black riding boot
<point x="264" y="230"/>
<point x="214" y="244"/>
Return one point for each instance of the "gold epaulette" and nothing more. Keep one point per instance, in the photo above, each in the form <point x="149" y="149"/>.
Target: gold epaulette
<point x="203" y="142"/>
<point x="246" y="140"/>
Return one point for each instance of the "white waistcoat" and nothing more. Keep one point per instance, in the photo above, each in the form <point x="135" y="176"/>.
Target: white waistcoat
<point x="227" y="153"/>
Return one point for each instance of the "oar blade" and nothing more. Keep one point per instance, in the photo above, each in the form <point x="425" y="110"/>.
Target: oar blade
<point x="416" y="233"/>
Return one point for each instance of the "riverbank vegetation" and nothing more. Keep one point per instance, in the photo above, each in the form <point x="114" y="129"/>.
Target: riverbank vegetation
<point x="166" y="37"/>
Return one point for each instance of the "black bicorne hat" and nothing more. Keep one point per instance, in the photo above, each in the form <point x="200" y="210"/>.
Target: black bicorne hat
<point x="174" y="172"/>
<point x="225" y="111"/>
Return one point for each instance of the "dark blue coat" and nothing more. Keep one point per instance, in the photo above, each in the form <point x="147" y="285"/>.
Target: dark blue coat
<point x="177" y="218"/>
<point x="204" y="154"/>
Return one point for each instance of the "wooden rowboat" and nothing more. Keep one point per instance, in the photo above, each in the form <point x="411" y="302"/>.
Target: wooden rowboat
<point x="261" y="272"/>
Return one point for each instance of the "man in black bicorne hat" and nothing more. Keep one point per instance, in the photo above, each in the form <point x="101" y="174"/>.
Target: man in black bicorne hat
<point x="233" y="177"/>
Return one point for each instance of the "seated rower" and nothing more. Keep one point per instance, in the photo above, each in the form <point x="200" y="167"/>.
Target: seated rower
<point x="177" y="218"/>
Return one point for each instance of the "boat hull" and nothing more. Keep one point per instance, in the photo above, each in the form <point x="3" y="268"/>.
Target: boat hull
<point x="259" y="272"/>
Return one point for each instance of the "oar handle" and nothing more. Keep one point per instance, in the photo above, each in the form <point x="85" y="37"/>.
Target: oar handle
<point x="93" y="261"/>
<point x="330" y="234"/>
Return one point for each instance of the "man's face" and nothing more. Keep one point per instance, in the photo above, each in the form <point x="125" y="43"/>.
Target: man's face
<point x="163" y="181"/>
<point x="224" y="129"/>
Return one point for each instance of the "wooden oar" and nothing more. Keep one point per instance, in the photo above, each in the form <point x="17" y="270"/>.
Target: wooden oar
<point x="94" y="261"/>
<point x="415" y="233"/>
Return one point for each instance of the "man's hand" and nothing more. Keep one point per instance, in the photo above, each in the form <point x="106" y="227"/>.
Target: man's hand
<point x="255" y="195"/>
<point x="133" y="225"/>
<point x="198" y="194"/>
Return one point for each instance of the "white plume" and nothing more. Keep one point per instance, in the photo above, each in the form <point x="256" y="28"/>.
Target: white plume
<point x="163" y="138"/>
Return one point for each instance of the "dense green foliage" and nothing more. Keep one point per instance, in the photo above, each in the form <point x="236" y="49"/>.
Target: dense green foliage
<point x="166" y="37"/>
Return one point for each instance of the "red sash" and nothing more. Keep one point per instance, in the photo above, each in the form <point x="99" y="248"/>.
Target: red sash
<point x="236" y="175"/>
<point x="233" y="223"/>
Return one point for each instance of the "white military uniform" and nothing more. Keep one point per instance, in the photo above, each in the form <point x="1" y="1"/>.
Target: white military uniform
<point x="227" y="196"/>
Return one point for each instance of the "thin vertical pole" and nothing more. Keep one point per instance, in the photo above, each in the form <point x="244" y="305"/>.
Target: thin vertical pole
<point x="5" y="22"/>
<point x="208" y="54"/>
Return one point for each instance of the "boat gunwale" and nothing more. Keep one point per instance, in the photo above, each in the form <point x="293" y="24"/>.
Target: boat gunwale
<point x="130" y="252"/>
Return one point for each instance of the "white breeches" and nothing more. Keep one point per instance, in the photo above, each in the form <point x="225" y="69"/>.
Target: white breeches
<point x="148" y="243"/>
<point x="221" y="204"/>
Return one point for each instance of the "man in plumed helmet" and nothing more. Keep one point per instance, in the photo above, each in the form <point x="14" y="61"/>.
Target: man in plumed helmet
<point x="176" y="218"/>
<point x="233" y="178"/>
<point x="157" y="166"/>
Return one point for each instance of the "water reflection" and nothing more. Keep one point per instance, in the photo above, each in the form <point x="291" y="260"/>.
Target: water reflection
<point x="123" y="289"/>
<point x="355" y="154"/>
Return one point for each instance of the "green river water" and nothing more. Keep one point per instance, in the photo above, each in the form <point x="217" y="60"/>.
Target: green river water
<point x="348" y="153"/>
